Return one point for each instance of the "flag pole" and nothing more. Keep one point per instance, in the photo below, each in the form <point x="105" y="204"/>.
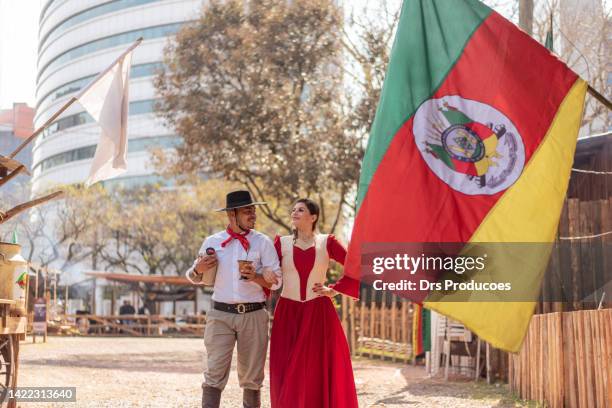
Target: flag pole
<point x="101" y="74"/>
<point x="72" y="100"/>
<point x="599" y="97"/>
<point x="43" y="127"/>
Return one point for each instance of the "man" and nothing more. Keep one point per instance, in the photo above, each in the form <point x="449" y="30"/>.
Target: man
<point x="127" y="309"/>
<point x="238" y="314"/>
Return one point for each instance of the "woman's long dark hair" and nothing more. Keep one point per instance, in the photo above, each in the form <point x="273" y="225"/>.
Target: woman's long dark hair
<point x="313" y="208"/>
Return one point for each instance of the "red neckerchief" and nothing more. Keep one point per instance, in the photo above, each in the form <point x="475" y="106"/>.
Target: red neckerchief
<point x="239" y="236"/>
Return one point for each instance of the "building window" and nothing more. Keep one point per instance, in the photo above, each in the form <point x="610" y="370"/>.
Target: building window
<point x="109" y="42"/>
<point x="87" y="15"/>
<point x="137" y="71"/>
<point x="44" y="10"/>
<point x="136" y="181"/>
<point x="87" y="152"/>
<point x="135" y="108"/>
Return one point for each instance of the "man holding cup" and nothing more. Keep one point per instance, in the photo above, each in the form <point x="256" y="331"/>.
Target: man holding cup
<point x="239" y="254"/>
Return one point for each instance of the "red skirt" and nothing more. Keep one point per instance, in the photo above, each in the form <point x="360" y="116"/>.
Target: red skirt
<point x="310" y="363"/>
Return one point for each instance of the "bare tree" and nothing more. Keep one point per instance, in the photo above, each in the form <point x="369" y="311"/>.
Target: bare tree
<point x="581" y="36"/>
<point x="256" y="94"/>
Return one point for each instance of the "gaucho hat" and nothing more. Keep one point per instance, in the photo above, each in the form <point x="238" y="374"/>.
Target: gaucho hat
<point x="239" y="199"/>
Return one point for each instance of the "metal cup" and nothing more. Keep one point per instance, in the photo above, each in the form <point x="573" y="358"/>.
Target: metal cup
<point x="242" y="263"/>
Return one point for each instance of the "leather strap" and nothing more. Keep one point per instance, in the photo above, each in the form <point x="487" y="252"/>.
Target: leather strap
<point x="239" y="308"/>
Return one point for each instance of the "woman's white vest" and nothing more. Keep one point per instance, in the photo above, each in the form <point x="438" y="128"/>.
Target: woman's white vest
<point x="291" y="277"/>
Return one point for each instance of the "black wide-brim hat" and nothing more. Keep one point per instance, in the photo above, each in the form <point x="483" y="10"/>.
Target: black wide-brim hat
<point x="239" y="199"/>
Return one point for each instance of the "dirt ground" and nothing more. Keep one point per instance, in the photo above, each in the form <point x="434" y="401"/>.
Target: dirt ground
<point x="167" y="372"/>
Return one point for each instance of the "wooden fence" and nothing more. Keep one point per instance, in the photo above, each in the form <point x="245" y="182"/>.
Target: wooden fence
<point x="579" y="268"/>
<point x="380" y="329"/>
<point x="129" y="325"/>
<point x="566" y="360"/>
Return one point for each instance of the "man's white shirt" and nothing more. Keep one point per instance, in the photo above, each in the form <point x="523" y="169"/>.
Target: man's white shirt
<point x="228" y="286"/>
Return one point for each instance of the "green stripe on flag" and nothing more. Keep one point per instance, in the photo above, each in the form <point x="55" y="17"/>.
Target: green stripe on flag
<point x="549" y="41"/>
<point x="431" y="36"/>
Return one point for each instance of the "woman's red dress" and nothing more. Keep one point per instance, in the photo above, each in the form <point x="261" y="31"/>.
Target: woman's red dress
<point x="310" y="362"/>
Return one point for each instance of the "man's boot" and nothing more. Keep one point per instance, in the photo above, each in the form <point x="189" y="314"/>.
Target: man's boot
<point x="211" y="397"/>
<point x="251" y="398"/>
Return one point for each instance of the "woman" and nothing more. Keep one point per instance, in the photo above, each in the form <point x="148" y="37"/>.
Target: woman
<point x="310" y="364"/>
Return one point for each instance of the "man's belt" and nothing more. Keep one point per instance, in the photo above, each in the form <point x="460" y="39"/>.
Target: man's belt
<point x="239" y="308"/>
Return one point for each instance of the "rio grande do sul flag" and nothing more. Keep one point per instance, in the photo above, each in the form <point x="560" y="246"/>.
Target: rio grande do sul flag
<point x="457" y="68"/>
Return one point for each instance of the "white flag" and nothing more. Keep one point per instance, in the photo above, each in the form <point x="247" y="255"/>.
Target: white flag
<point x="106" y="99"/>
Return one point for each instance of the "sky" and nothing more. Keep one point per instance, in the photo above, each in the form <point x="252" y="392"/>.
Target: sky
<point x="18" y="46"/>
<point x="19" y="43"/>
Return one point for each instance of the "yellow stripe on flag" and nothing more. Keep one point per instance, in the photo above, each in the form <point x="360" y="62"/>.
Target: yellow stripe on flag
<point x="529" y="211"/>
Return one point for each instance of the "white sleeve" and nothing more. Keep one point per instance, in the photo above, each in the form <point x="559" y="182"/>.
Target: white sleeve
<point x="189" y="274"/>
<point x="269" y="260"/>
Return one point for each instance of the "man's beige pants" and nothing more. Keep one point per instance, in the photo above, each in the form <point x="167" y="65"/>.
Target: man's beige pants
<point x="250" y="332"/>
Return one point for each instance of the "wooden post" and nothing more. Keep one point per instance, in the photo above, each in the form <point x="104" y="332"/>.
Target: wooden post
<point x="353" y="339"/>
<point x="372" y="316"/>
<point x="574" y="217"/>
<point x="45" y="335"/>
<point x="362" y="312"/>
<point x="343" y="307"/>
<point x="66" y="299"/>
<point x="404" y="327"/>
<point x="393" y="327"/>
<point x="383" y="326"/>
<point x="93" y="298"/>
<point x="477" y="370"/>
<point x="55" y="290"/>
<point x="36" y="283"/>
<point x="35" y="297"/>
<point x="488" y="357"/>
<point x="113" y="299"/>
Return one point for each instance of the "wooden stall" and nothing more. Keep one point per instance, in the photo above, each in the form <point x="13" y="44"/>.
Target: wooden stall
<point x="13" y="320"/>
<point x="581" y="264"/>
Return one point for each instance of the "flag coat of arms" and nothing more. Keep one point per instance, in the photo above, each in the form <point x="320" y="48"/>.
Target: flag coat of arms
<point x="473" y="141"/>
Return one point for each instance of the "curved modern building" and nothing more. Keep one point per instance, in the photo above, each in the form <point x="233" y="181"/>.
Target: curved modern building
<point x="77" y="40"/>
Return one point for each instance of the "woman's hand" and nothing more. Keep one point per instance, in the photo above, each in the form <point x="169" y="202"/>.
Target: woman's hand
<point x="323" y="290"/>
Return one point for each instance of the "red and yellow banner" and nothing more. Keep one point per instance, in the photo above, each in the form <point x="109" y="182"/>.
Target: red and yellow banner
<point x="473" y="141"/>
